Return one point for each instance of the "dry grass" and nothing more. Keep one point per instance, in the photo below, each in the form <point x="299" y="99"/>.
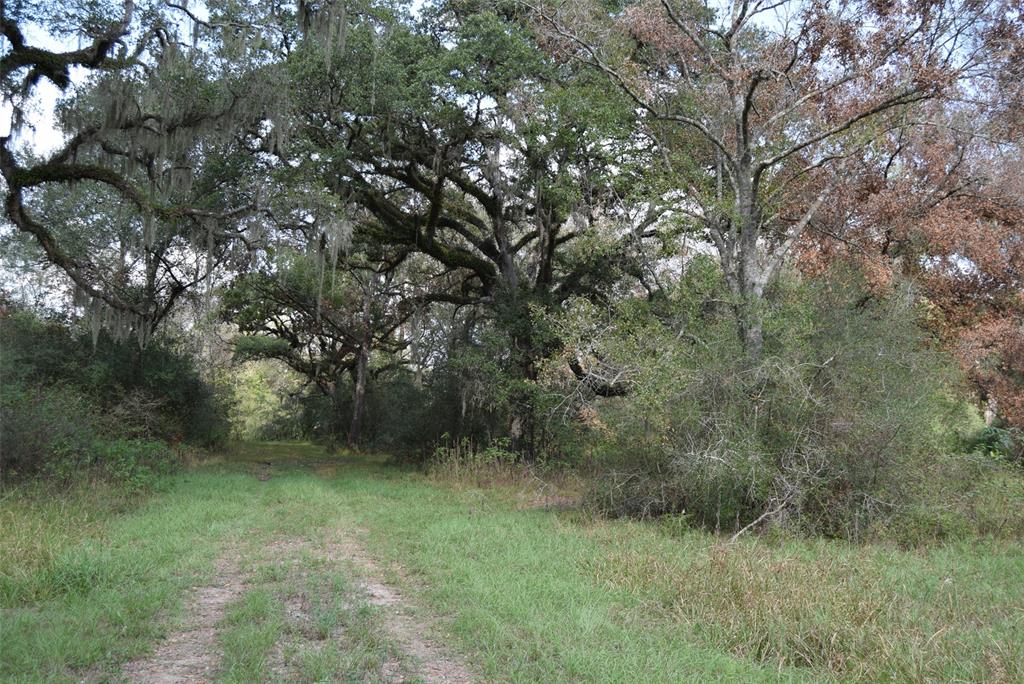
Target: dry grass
<point x="40" y="522"/>
<point x="525" y="485"/>
<point x="948" y="610"/>
<point x="866" y="614"/>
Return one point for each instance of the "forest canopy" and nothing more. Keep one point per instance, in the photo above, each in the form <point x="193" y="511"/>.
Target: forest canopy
<point x="754" y="260"/>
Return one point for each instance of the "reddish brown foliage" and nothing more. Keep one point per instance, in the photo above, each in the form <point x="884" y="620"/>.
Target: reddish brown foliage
<point x="949" y="214"/>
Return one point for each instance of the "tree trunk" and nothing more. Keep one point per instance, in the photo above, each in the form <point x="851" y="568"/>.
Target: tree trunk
<point x="991" y="412"/>
<point x="522" y="425"/>
<point x="362" y="365"/>
<point x="751" y="329"/>
<point x="750" y="315"/>
<point x="359" y="397"/>
<point x="336" y="419"/>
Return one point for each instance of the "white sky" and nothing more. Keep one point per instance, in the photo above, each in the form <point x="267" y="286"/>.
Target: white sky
<point x="42" y="136"/>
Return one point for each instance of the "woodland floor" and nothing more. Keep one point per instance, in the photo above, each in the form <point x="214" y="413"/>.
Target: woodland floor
<point x="278" y="563"/>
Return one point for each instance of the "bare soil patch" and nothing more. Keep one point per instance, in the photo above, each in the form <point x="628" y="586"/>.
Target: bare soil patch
<point x="191" y="654"/>
<point x="433" y="662"/>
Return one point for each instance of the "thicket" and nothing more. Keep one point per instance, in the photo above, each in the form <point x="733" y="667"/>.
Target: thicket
<point x="852" y="424"/>
<point x="472" y="390"/>
<point x="72" y="410"/>
<point x="405" y="415"/>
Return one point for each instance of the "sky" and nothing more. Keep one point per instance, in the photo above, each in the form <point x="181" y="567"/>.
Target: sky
<point x="44" y="136"/>
<point x="20" y="276"/>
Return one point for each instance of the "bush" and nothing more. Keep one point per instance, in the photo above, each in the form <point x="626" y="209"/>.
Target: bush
<point x="69" y="410"/>
<point x="403" y="416"/>
<point x="45" y="431"/>
<point x="532" y="483"/>
<point x="464" y="453"/>
<point x="60" y="434"/>
<point x="1003" y="443"/>
<point x="156" y="393"/>
<point x="819" y="435"/>
<point x="135" y="463"/>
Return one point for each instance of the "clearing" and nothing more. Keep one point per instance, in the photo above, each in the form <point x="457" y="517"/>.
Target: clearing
<point x="278" y="563"/>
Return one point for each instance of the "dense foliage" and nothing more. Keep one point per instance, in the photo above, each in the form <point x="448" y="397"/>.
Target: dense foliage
<point x="826" y="431"/>
<point x="71" y="409"/>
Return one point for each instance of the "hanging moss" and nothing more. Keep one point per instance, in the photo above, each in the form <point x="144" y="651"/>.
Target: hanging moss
<point x="120" y="325"/>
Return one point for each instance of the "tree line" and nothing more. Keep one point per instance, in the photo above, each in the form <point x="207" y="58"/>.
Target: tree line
<point x="537" y="217"/>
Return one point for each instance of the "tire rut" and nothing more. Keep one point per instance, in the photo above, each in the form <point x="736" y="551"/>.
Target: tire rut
<point x="191" y="655"/>
<point x="434" y="663"/>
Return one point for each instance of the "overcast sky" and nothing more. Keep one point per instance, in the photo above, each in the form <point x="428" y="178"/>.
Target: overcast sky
<point x="45" y="137"/>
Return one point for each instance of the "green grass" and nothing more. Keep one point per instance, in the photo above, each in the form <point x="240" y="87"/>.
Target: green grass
<point x="95" y="577"/>
<point x="525" y="594"/>
<point x="251" y="628"/>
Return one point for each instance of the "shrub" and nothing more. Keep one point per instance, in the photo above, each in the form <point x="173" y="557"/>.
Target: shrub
<point x="464" y="460"/>
<point x="156" y="393"/>
<point x="69" y="410"/>
<point x="45" y="431"/>
<point x="61" y="434"/>
<point x="135" y="463"/>
<point x="1004" y="443"/>
<point x="819" y="435"/>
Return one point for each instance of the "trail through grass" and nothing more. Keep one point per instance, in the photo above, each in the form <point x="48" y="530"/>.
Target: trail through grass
<point x="524" y="594"/>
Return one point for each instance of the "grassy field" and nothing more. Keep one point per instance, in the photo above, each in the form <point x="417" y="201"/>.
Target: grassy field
<point x="90" y="580"/>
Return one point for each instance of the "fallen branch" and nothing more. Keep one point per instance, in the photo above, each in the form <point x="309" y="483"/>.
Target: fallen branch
<point x="760" y="518"/>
